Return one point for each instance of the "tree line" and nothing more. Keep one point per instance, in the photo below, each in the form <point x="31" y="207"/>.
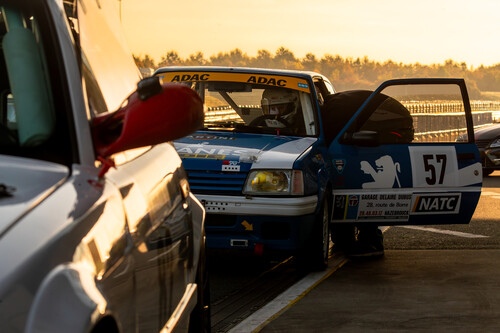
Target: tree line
<point x="344" y="73"/>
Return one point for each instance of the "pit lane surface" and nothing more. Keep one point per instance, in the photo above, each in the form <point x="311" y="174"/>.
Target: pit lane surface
<point x="240" y="286"/>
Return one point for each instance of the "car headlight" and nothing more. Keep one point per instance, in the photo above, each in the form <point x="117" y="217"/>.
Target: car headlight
<point x="495" y="143"/>
<point x="274" y="182"/>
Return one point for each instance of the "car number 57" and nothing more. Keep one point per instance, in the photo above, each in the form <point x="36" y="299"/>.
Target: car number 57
<point x="433" y="166"/>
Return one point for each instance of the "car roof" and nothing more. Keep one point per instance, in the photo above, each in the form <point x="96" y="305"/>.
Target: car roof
<point x="225" y="69"/>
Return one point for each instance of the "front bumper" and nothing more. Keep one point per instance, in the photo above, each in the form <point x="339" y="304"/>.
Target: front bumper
<point x="490" y="158"/>
<point x="239" y="205"/>
<point x="268" y="224"/>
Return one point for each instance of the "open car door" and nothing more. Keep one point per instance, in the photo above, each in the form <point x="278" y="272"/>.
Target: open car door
<point x="407" y="155"/>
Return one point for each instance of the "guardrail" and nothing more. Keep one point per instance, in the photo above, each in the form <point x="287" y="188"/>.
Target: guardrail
<point x="444" y="122"/>
<point x="432" y="121"/>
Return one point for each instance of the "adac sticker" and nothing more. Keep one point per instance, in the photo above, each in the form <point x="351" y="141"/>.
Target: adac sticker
<point x="256" y="78"/>
<point x="339" y="165"/>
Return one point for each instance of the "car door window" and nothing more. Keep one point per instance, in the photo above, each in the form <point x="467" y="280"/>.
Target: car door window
<point x="424" y="114"/>
<point x="33" y="112"/>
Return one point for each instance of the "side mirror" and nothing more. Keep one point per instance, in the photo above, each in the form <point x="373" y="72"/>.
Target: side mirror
<point x="363" y="139"/>
<point x="166" y="112"/>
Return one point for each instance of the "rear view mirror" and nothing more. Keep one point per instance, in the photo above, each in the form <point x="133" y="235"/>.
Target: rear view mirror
<point x="152" y="115"/>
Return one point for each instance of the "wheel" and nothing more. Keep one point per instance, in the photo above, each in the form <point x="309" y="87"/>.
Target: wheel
<point x="314" y="255"/>
<point x="199" y="321"/>
<point x="261" y="120"/>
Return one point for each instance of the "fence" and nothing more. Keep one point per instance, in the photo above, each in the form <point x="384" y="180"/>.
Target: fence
<point x="432" y="121"/>
<point x="444" y="122"/>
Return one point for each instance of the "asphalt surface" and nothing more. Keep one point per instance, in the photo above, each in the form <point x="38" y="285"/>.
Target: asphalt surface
<point x="405" y="291"/>
<point x="432" y="279"/>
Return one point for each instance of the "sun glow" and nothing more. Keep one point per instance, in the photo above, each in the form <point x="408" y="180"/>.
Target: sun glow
<point x="423" y="31"/>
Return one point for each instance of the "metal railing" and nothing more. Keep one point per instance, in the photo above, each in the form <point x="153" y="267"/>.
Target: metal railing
<point x="444" y="122"/>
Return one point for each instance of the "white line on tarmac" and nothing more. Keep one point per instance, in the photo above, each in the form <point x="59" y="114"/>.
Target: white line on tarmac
<point x="447" y="232"/>
<point x="495" y="195"/>
<point x="272" y="310"/>
<point x="256" y="321"/>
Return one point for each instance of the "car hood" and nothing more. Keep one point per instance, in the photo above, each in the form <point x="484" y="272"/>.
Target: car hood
<point x="262" y="151"/>
<point x="24" y="184"/>
<point x="488" y="132"/>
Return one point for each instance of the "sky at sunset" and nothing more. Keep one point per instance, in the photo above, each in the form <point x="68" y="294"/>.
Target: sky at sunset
<point x="408" y="31"/>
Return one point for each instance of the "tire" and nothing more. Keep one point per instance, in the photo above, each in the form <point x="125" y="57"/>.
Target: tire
<point x="314" y="256"/>
<point x="199" y="321"/>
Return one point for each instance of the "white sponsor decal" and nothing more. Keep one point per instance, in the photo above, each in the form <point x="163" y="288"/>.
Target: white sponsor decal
<point x="384" y="206"/>
<point x="434" y="166"/>
<point x="233" y="166"/>
<point x="385" y="173"/>
<point x="216" y="151"/>
<point x="432" y="203"/>
<point x="393" y="206"/>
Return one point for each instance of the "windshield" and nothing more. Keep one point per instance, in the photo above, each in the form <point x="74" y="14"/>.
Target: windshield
<point x="255" y="108"/>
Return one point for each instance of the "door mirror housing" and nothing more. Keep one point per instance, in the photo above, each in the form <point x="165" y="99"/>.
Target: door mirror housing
<point x="170" y="113"/>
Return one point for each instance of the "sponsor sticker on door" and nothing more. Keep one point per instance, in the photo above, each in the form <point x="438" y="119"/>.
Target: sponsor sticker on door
<point x="436" y="203"/>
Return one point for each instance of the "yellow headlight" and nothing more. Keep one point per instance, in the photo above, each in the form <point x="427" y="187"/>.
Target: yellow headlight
<point x="274" y="182"/>
<point x="270" y="181"/>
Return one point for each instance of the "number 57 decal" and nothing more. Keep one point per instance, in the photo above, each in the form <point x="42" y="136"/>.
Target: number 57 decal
<point x="434" y="166"/>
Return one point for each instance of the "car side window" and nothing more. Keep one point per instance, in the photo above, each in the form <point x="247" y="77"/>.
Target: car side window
<point x="417" y="114"/>
<point x="319" y="95"/>
<point x="392" y="121"/>
<point x="32" y="120"/>
<point x="329" y="88"/>
<point x="321" y="91"/>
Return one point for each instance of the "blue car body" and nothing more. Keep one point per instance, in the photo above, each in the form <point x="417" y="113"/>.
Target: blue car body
<point x="354" y="172"/>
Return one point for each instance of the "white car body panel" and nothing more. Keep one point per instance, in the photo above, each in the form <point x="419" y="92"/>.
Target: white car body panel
<point x="30" y="182"/>
<point x="79" y="243"/>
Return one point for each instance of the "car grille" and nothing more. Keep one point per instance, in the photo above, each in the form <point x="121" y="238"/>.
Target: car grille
<point x="482" y="143"/>
<point x="217" y="183"/>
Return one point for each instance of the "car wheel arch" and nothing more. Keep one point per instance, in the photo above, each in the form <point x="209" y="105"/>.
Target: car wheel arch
<point x="67" y="286"/>
<point x="106" y="324"/>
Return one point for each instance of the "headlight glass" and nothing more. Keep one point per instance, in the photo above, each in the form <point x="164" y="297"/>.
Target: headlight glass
<point x="495" y="143"/>
<point x="274" y="182"/>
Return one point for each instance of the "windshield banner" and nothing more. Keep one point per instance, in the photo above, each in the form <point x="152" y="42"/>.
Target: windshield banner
<point x="269" y="80"/>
